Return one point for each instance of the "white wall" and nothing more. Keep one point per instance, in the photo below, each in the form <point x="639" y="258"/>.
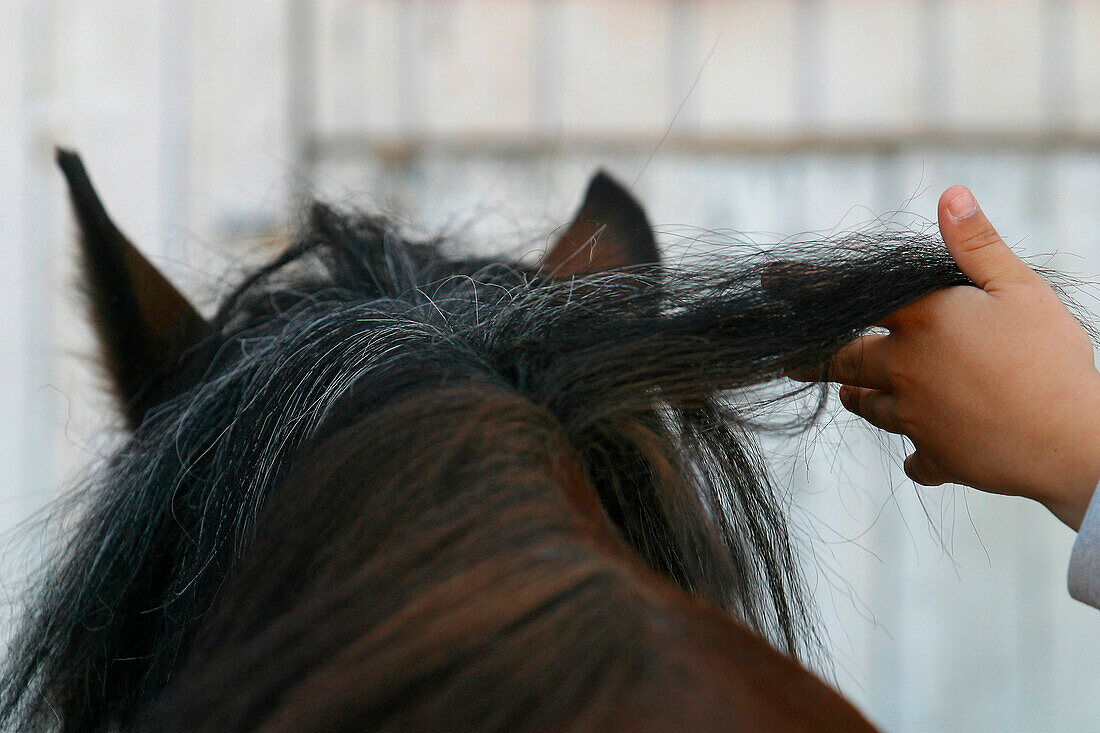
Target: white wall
<point x="203" y="122"/>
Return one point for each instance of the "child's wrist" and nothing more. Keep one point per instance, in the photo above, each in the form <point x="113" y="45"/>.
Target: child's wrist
<point x="1075" y="467"/>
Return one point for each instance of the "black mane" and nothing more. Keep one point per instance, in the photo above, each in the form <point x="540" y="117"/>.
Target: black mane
<point x="636" y="368"/>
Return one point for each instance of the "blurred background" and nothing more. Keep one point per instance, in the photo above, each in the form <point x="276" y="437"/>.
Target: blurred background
<point x="205" y="125"/>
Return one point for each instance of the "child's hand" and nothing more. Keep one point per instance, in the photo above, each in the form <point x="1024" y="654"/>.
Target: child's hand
<point x="995" y="387"/>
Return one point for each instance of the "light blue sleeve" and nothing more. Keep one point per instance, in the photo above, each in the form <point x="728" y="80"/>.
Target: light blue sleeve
<point x="1084" y="563"/>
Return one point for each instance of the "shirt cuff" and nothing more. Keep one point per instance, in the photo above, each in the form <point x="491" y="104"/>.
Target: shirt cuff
<point x="1084" y="562"/>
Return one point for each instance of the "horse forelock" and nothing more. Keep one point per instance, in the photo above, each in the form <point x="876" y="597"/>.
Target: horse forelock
<point x="625" y="374"/>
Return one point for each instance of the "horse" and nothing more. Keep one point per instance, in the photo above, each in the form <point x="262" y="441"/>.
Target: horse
<point x="386" y="486"/>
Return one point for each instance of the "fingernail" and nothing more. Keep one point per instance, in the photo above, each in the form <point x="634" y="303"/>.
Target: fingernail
<point x="963" y="205"/>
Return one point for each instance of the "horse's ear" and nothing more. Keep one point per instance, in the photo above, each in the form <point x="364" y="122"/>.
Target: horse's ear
<point x="610" y="232"/>
<point x="143" y="323"/>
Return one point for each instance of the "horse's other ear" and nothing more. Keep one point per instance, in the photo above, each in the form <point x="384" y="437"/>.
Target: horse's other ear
<point x="143" y="323"/>
<point x="610" y="232"/>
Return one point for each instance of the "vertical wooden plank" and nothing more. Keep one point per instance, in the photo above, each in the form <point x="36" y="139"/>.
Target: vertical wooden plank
<point x="412" y="15"/>
<point x="547" y="32"/>
<point x="613" y="67"/>
<point x="870" y="77"/>
<point x="1058" y="39"/>
<point x="174" y="115"/>
<point x="26" y="449"/>
<point x="300" y="65"/>
<point x="478" y="58"/>
<point x="810" y="59"/>
<point x="40" y="289"/>
<point x="935" y="64"/>
<point x="1073" y="226"/>
<point x="750" y="82"/>
<point x="996" y="76"/>
<point x="1085" y="62"/>
<point x="108" y="78"/>
<point x="242" y="150"/>
<point x="16" y="277"/>
<point x="358" y="74"/>
<point x="839" y="192"/>
<point x="687" y="61"/>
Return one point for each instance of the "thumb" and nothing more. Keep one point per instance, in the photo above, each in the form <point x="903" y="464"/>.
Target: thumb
<point x="973" y="242"/>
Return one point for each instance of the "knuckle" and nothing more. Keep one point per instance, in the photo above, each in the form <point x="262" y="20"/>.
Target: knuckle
<point x="898" y="376"/>
<point x="846" y="364"/>
<point x="980" y="238"/>
<point x="852" y="401"/>
<point x="932" y="474"/>
<point x="873" y="409"/>
<point x="862" y="407"/>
